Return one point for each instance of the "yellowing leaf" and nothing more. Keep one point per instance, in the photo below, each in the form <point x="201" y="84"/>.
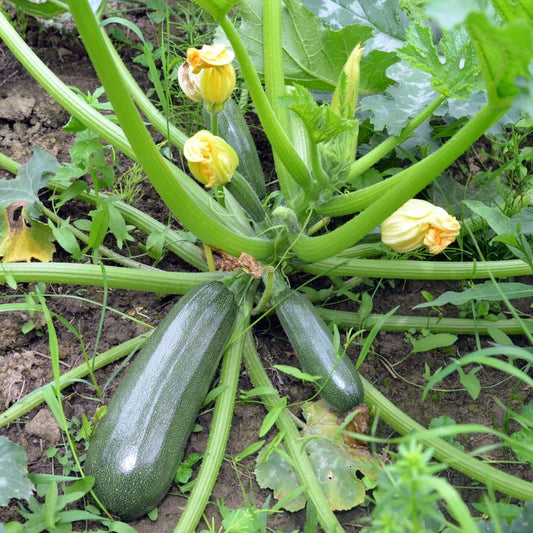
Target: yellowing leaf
<point x="20" y="242"/>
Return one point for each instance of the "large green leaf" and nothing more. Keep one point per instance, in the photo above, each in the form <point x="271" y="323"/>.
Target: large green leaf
<point x="504" y="53"/>
<point x="401" y="101"/>
<point x="385" y="17"/>
<point x="453" y="66"/>
<point x="14" y="481"/>
<point x="313" y="53"/>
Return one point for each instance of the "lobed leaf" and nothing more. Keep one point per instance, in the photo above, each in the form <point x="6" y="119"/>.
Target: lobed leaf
<point x="453" y="65"/>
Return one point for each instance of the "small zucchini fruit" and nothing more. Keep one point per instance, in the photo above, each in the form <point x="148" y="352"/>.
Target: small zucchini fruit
<point x="137" y="446"/>
<point x="340" y="384"/>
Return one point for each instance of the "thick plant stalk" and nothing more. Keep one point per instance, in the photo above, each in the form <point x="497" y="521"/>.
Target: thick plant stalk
<point x="409" y="269"/>
<point x="220" y="425"/>
<point x="445" y="452"/>
<point x="292" y="440"/>
<point x="275" y="133"/>
<point x="116" y="277"/>
<point x="36" y="397"/>
<point x="460" y="326"/>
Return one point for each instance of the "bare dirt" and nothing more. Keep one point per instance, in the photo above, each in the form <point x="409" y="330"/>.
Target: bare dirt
<point x="28" y="118"/>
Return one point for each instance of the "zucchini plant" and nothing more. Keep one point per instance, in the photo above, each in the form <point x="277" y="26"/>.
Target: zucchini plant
<point x="316" y="87"/>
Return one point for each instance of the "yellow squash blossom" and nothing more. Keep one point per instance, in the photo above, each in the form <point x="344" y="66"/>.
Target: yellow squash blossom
<point x="212" y="161"/>
<point x="419" y="223"/>
<point x="210" y="55"/>
<point x="213" y="65"/>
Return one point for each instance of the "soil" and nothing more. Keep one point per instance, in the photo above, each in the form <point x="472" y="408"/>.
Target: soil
<point x="28" y="118"/>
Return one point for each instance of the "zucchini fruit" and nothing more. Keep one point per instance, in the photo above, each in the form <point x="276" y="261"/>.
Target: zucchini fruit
<point x="340" y="384"/>
<point x="137" y="446"/>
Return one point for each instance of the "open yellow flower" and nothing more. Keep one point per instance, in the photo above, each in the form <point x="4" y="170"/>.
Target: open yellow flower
<point x="419" y="223"/>
<point x="213" y="65"/>
<point x="212" y="161"/>
<point x="210" y="55"/>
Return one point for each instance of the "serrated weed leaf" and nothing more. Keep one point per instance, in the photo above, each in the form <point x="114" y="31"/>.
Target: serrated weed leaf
<point x="32" y="176"/>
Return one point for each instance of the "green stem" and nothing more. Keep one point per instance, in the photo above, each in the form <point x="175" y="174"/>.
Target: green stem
<point x="8" y="164"/>
<point x="189" y="202"/>
<point x="435" y="324"/>
<point x="358" y="200"/>
<point x="447" y="453"/>
<point x="281" y="144"/>
<point x="220" y="424"/>
<point x="274" y="81"/>
<point x="36" y="397"/>
<point x="116" y="277"/>
<point x="410" y="182"/>
<point x="292" y="440"/>
<point x="410" y="269"/>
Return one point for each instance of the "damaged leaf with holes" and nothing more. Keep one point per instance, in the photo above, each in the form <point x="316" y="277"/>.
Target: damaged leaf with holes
<point x="344" y="467"/>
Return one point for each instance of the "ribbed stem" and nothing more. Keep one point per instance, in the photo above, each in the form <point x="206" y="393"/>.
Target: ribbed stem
<point x="277" y="137"/>
<point x="459" y="326"/>
<point x="410" y="269"/>
<point x="447" y="453"/>
<point x="116" y="277"/>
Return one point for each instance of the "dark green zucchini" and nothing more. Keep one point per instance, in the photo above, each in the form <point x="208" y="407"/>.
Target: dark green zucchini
<point x="138" y="444"/>
<point x="340" y="384"/>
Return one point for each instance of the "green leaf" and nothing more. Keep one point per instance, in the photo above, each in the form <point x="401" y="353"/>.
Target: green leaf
<point x="454" y="67"/>
<point x="32" y="176"/>
<point x="504" y="53"/>
<point x="385" y="17"/>
<point x="433" y="342"/>
<point x="401" y="101"/>
<point x="44" y="9"/>
<point x="14" y="481"/>
<point x="470" y="381"/>
<point x="313" y="53"/>
<point x="297" y="373"/>
<point x="320" y="121"/>
<point x="454" y="12"/>
<point x="483" y="291"/>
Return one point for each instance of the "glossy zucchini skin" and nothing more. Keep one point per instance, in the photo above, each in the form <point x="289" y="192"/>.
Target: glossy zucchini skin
<point x="312" y="341"/>
<point x="138" y="444"/>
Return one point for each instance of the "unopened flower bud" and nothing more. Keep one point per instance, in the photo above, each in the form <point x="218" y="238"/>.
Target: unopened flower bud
<point x="419" y="223"/>
<point x="189" y="82"/>
<point x="217" y="84"/>
<point x="212" y="161"/>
